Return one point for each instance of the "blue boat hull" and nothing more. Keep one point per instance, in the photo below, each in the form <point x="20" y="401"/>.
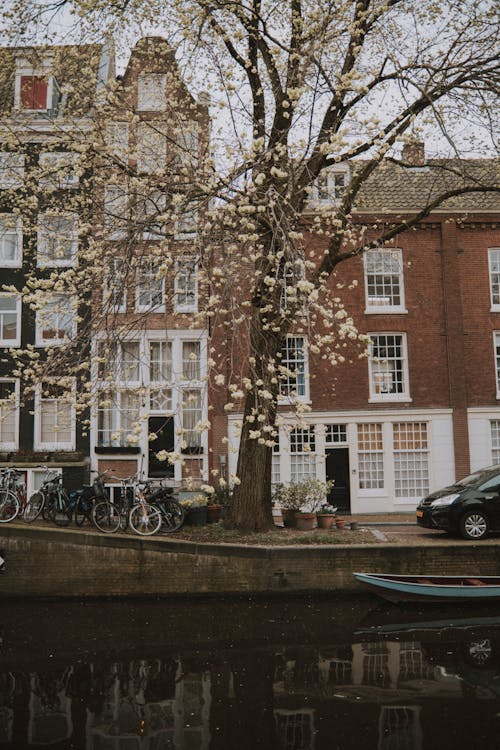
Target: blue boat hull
<point x="418" y="588"/>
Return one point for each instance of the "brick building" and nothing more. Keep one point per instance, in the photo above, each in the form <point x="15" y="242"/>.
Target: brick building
<point x="419" y="411"/>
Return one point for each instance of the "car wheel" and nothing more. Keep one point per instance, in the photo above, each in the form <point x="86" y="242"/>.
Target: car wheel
<point x="474" y="525"/>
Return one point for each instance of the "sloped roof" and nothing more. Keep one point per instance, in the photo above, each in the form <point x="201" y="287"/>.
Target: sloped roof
<point x="396" y="188"/>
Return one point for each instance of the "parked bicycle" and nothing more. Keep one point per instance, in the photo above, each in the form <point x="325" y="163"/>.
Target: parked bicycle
<point x="51" y="500"/>
<point x="12" y="495"/>
<point x="82" y="501"/>
<point x="156" y="511"/>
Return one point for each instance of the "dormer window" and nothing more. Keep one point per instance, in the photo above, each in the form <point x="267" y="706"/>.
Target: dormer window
<point x="35" y="86"/>
<point x="330" y="185"/>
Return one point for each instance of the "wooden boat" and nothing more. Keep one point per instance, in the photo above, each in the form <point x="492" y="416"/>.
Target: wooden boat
<point x="397" y="588"/>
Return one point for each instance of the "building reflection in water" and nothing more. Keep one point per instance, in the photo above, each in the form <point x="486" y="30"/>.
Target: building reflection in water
<point x="386" y="694"/>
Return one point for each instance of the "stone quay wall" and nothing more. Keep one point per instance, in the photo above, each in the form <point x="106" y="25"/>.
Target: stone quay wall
<point x="64" y="564"/>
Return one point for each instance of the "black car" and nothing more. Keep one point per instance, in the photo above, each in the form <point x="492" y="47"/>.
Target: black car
<point x="470" y="507"/>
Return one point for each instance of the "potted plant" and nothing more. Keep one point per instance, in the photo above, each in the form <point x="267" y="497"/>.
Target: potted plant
<point x="300" y="501"/>
<point x="196" y="510"/>
<point x="288" y="498"/>
<point x="326" y="516"/>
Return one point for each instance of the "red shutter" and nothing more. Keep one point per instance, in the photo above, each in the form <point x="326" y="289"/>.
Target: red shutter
<point x="33" y="92"/>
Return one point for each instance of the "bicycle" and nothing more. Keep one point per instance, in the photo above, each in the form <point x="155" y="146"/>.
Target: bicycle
<point x="156" y="511"/>
<point x="9" y="500"/>
<point x="51" y="500"/>
<point x="82" y="501"/>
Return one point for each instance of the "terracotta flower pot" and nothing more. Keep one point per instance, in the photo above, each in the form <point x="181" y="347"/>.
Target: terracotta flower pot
<point x="214" y="513"/>
<point x="289" y="520"/>
<point x="306" y="521"/>
<point x="340" y="523"/>
<point x="325" y="520"/>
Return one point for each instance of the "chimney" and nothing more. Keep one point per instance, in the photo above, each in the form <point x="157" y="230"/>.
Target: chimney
<point x="414" y="153"/>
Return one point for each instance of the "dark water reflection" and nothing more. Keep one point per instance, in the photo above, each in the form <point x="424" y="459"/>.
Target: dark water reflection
<point x="333" y="674"/>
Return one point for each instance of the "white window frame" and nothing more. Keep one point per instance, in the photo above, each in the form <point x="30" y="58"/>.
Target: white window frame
<point x="148" y="207"/>
<point x="285" y="386"/>
<point x="151" y="148"/>
<point x="412" y="453"/>
<point x="305" y="467"/>
<point x="13" y="445"/>
<point x="40" y="323"/>
<point x="190" y="279"/>
<point x="331" y="196"/>
<point x="371" y="306"/>
<point x="115" y="211"/>
<point x="375" y="369"/>
<point x="53" y="445"/>
<point x="44" y="260"/>
<point x="24" y="69"/>
<point x="10" y="343"/>
<point x="494" y="277"/>
<point x="496" y="350"/>
<point x="495" y="441"/>
<point x="11" y="173"/>
<point x="114" y="299"/>
<point x="149" y="89"/>
<point x="116" y="137"/>
<point x="377" y="480"/>
<point x="17" y="230"/>
<point x="149" y="307"/>
<point x="58" y="170"/>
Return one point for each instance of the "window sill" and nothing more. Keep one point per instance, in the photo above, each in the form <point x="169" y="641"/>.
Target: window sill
<point x="117" y="449"/>
<point x="390" y="398"/>
<point x="11" y="263"/>
<point x="386" y="311"/>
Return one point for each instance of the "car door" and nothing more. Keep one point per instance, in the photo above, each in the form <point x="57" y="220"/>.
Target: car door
<point x="490" y="491"/>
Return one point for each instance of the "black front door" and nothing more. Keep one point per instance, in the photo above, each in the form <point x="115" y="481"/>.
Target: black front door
<point x="163" y="428"/>
<point x="337" y="469"/>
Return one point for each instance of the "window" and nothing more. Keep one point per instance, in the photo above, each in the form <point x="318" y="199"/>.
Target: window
<point x="10" y="319"/>
<point x="151" y="149"/>
<point x="57" y="239"/>
<point x="495" y="441"/>
<point x="152" y="92"/>
<point x="302" y="456"/>
<point x="33" y="92"/>
<point x="116" y="137"/>
<point x="191" y="418"/>
<point x="186" y="285"/>
<point x="330" y="186"/>
<point x="54" y="417"/>
<point x="388" y="367"/>
<point x="384" y="280"/>
<point x="116" y="210"/>
<point x="11" y="170"/>
<point x="494" y="265"/>
<point x="11" y="240"/>
<point x="115" y="285"/>
<point x="411" y="460"/>
<point x="58" y="170"/>
<point x="186" y="147"/>
<point x="186" y="224"/>
<point x="191" y="362"/>
<point x="149" y="286"/>
<point x="370" y="457"/>
<point x="496" y="341"/>
<point x="276" y="462"/>
<point x="293" y="367"/>
<point x="336" y="433"/>
<point x="150" y="210"/>
<point x="160" y="375"/>
<point x="56" y="320"/>
<point x="9" y="414"/>
<point x="130" y="361"/>
<point x="118" y="416"/>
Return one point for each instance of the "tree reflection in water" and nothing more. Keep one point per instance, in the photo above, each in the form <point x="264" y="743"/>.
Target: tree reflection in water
<point x="388" y="686"/>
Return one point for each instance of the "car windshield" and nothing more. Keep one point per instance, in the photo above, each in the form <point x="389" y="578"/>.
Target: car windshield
<point x="479" y="477"/>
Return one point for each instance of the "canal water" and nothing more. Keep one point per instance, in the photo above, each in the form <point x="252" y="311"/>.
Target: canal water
<point x="298" y="674"/>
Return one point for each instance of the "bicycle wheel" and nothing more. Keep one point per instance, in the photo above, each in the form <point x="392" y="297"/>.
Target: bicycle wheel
<point x="60" y="512"/>
<point x="145" y="519"/>
<point x="172" y="515"/>
<point x="106" y="517"/>
<point x="83" y="511"/>
<point x="34" y="507"/>
<point x="9" y="506"/>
